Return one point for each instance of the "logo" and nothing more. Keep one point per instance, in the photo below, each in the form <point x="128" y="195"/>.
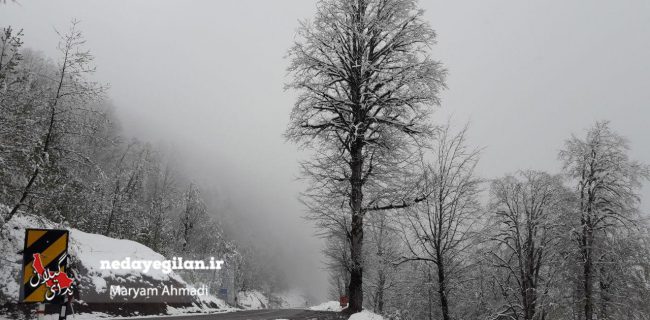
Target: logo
<point x="57" y="282"/>
<point x="45" y="277"/>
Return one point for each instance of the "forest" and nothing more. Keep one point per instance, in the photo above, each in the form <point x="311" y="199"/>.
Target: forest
<point x="64" y="157"/>
<point x="412" y="229"/>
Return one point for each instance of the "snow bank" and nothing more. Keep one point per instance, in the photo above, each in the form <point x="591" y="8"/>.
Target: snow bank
<point x="327" y="306"/>
<point x="365" y="315"/>
<point x="90" y="249"/>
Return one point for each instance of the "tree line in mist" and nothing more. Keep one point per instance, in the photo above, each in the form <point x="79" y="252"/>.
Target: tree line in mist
<point x="541" y="246"/>
<point x="410" y="233"/>
<point x="63" y="156"/>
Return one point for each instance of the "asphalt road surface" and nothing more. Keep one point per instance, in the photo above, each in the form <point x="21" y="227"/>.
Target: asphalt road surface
<point x="290" y="314"/>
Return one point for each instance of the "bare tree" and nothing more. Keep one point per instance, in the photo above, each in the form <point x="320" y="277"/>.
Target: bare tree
<point x="385" y="247"/>
<point x="193" y="214"/>
<point x="162" y="199"/>
<point x="367" y="83"/>
<point x="125" y="185"/>
<point x="10" y="57"/>
<point x="527" y="207"/>
<point x="337" y="253"/>
<point x="70" y="93"/>
<point x="607" y="183"/>
<point x="438" y="230"/>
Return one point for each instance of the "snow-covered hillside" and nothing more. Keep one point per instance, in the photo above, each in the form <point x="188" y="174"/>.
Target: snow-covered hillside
<point x="86" y="251"/>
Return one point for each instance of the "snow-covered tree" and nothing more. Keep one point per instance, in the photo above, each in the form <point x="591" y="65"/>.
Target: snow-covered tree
<point x="367" y="84"/>
<point x="527" y="209"/>
<point x="58" y="109"/>
<point x="384" y="249"/>
<point x="607" y="184"/>
<point x="438" y="229"/>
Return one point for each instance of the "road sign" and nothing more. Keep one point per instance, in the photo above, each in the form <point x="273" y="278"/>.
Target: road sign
<point x="44" y="277"/>
<point x="343" y="301"/>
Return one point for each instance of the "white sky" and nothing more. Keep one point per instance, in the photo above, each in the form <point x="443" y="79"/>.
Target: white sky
<point x="207" y="76"/>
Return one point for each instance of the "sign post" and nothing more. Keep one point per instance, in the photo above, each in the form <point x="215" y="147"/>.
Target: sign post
<point x="44" y="278"/>
<point x="40" y="311"/>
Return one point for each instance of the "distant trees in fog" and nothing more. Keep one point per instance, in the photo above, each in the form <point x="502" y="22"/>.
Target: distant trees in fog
<point x="540" y="246"/>
<point x="63" y="156"/>
<point x="399" y="203"/>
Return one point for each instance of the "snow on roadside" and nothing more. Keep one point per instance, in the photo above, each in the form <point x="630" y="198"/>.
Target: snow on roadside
<point x="365" y="315"/>
<point x="327" y="306"/>
<point x="91" y="248"/>
<point x="252" y="300"/>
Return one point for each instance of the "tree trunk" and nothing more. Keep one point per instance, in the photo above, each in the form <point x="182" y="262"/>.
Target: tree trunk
<point x="24" y="195"/>
<point x="356" y="232"/>
<point x="442" y="288"/>
<point x="587" y="272"/>
<point x="528" y="281"/>
<point x="356" y="270"/>
<point x="114" y="203"/>
<point x="430" y="292"/>
<point x="379" y="297"/>
<point x="604" y="285"/>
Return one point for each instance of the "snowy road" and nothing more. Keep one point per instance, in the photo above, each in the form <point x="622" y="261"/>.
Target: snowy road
<point x="291" y="314"/>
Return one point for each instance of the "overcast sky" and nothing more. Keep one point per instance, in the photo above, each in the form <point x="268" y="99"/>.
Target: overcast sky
<point x="207" y="77"/>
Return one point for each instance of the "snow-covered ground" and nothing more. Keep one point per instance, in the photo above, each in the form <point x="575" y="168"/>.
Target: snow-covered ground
<point x="327" y="306"/>
<point x="336" y="306"/>
<point x="366" y="315"/>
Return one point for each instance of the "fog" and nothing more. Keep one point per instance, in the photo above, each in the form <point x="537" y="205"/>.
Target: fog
<point x="206" y="77"/>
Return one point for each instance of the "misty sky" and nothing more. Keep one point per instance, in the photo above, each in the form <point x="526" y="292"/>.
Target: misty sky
<point x="207" y="77"/>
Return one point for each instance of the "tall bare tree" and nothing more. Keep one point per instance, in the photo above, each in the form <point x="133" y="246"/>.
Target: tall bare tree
<point x="607" y="184"/>
<point x="439" y="228"/>
<point x="527" y="209"/>
<point x="367" y="84"/>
